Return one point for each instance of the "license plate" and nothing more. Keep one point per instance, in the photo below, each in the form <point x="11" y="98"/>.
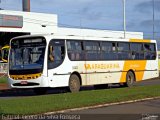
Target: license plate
<point x="24" y="82"/>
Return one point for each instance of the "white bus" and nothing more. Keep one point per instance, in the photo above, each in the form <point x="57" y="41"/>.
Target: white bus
<point x="49" y="61"/>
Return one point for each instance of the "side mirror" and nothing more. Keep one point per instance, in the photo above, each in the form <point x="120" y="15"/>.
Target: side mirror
<point x="5" y="51"/>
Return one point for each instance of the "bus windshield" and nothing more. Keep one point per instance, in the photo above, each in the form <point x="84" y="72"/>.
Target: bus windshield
<point x="27" y="54"/>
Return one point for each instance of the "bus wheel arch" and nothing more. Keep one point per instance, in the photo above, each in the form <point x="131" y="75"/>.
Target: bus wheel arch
<point x="75" y="82"/>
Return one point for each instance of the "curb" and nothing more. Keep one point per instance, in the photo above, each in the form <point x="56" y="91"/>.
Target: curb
<point x="101" y="105"/>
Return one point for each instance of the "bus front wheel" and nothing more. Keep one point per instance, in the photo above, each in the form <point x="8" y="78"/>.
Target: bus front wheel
<point x="74" y="83"/>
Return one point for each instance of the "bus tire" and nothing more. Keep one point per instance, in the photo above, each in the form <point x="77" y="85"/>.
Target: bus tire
<point x="40" y="91"/>
<point x="130" y="79"/>
<point x="74" y="83"/>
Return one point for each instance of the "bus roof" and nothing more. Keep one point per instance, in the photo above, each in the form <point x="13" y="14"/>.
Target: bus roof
<point x="74" y="37"/>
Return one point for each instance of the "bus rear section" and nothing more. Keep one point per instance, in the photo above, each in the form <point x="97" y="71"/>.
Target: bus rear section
<point x="112" y="61"/>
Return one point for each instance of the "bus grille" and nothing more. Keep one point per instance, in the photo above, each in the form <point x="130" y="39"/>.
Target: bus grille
<point x="25" y="77"/>
<point x="28" y="84"/>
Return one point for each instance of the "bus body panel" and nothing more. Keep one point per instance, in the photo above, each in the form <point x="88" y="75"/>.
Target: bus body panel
<point x="101" y="72"/>
<point x="92" y="72"/>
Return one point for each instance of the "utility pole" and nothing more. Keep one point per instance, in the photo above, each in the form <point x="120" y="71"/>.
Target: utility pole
<point x="26" y="5"/>
<point x="124" y="17"/>
<point x="0" y="3"/>
<point x="153" y="20"/>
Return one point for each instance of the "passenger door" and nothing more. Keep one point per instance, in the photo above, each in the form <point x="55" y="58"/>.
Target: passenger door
<point x="56" y="71"/>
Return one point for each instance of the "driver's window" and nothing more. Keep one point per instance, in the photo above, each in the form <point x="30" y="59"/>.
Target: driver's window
<point x="56" y="51"/>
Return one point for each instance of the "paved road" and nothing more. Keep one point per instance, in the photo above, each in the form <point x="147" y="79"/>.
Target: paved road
<point x="146" y="110"/>
<point x="148" y="82"/>
<point x="145" y="107"/>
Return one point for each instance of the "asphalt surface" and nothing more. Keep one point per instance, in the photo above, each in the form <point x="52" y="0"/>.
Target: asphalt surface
<point x="145" y="107"/>
<point x="146" y="110"/>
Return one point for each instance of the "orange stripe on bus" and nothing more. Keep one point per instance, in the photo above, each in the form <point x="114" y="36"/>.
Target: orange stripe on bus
<point x="140" y="40"/>
<point x="137" y="66"/>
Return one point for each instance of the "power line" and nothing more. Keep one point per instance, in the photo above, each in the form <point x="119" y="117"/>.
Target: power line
<point x="153" y="19"/>
<point x="124" y="17"/>
<point x="0" y="7"/>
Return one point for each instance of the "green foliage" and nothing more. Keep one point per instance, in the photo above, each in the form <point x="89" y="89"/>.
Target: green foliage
<point x="3" y="79"/>
<point x="54" y="102"/>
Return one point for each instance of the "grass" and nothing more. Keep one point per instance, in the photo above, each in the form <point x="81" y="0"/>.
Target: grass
<point x="3" y="79"/>
<point x="47" y="103"/>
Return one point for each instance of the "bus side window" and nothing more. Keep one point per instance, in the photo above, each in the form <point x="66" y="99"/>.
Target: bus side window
<point x="137" y="51"/>
<point x="56" y="53"/>
<point x="123" y="50"/>
<point x="75" y="50"/>
<point x="149" y="50"/>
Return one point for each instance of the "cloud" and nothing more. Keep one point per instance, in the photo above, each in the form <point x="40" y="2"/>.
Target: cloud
<point x="147" y="6"/>
<point x="140" y="17"/>
<point x="88" y="13"/>
<point x="131" y="25"/>
<point x="11" y="4"/>
<point x="149" y="23"/>
<point x="101" y="14"/>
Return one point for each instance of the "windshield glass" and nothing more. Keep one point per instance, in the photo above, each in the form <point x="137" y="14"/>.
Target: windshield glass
<point x="27" y="54"/>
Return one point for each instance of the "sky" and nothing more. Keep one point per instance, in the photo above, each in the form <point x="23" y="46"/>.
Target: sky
<point x="98" y="14"/>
